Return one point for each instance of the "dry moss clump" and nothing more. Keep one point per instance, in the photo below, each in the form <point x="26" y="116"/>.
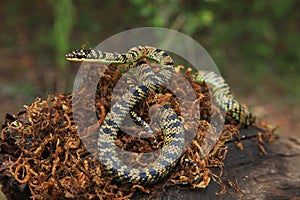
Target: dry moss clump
<point x="53" y="162"/>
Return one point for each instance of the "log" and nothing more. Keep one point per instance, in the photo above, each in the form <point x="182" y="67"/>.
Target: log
<point x="272" y="173"/>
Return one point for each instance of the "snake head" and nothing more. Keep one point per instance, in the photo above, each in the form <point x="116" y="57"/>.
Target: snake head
<point x="78" y="55"/>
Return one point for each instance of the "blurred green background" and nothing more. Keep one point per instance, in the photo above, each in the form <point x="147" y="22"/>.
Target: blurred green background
<point x="254" y="43"/>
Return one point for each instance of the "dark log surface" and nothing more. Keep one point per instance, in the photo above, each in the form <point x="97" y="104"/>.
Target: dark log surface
<point x="275" y="175"/>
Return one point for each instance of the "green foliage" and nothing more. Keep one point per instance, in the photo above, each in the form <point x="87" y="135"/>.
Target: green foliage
<point x="259" y="40"/>
<point x="174" y="14"/>
<point x="262" y="35"/>
<point x="63" y="22"/>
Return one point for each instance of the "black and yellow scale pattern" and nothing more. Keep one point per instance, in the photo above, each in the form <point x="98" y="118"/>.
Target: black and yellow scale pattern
<point x="169" y="122"/>
<point x="223" y="96"/>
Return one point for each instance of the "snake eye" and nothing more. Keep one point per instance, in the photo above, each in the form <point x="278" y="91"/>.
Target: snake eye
<point x="81" y="55"/>
<point x="78" y="54"/>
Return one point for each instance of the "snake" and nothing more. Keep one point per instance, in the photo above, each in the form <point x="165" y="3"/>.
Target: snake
<point x="222" y="94"/>
<point x="170" y="124"/>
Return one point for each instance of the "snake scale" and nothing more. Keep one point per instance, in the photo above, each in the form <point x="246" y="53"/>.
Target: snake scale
<point x="169" y="122"/>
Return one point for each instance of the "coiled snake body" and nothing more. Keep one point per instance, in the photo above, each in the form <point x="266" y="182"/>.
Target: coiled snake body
<point x="170" y="124"/>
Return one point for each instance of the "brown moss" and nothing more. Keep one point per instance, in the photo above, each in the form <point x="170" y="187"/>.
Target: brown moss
<point x="51" y="159"/>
